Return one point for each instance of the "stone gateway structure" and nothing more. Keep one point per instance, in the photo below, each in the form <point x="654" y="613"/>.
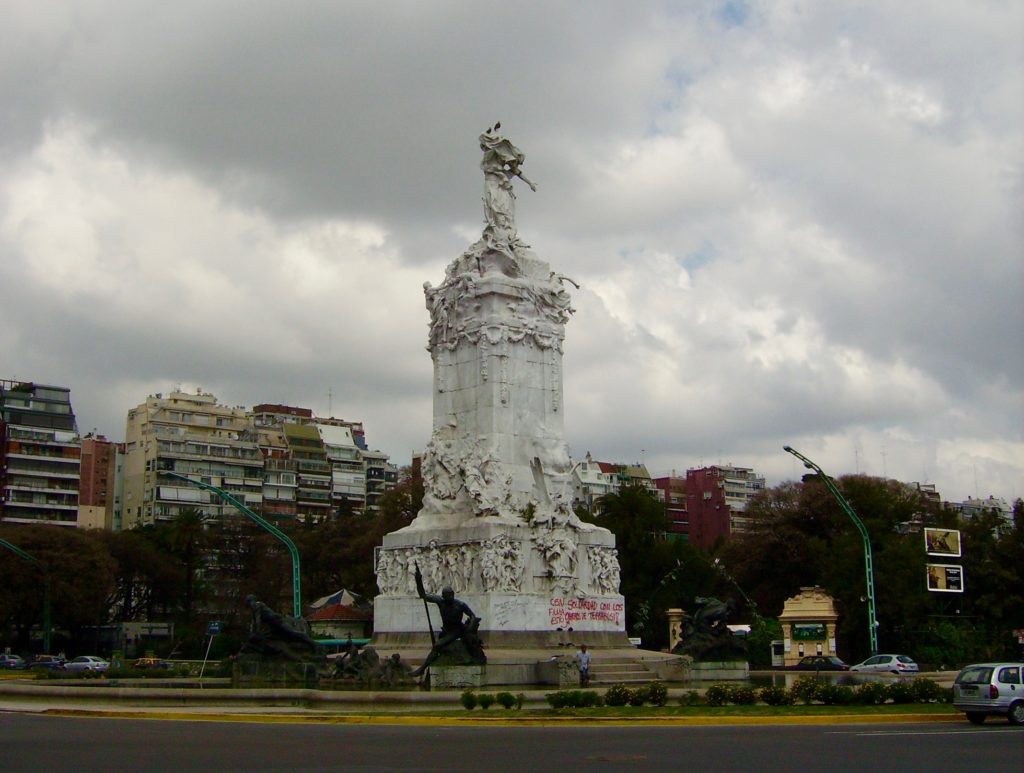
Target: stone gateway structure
<point x="497" y="524"/>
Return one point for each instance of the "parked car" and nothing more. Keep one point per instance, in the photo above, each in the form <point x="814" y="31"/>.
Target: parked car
<point x="820" y="663"/>
<point x="87" y="663"/>
<point x="893" y="664"/>
<point x="47" y="663"/>
<point x="11" y="661"/>
<point x="982" y="689"/>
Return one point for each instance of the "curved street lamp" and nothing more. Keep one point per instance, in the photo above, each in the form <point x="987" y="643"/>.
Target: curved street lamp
<point x="869" y="569"/>
<point x="47" y="625"/>
<point x="263" y="524"/>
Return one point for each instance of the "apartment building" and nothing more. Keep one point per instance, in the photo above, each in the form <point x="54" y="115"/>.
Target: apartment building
<point x="333" y="468"/>
<point x="672" y="491"/>
<point x="716" y="502"/>
<point x="381" y="477"/>
<point x="40" y="454"/>
<point x="99" y="495"/>
<point x="592" y="480"/>
<point x="192" y="435"/>
<point x="348" y="476"/>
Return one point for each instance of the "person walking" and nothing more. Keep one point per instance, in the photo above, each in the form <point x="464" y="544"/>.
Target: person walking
<point x="582" y="659"/>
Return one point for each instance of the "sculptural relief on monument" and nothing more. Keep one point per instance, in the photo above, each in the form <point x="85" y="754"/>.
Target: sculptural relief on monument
<point x="497" y="514"/>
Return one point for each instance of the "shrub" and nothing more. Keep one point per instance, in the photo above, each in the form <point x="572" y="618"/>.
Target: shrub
<point x="520" y="699"/>
<point x="485" y="700"/>
<point x="835" y="694"/>
<point x="468" y="700"/>
<point x="638" y="696"/>
<point x="901" y="692"/>
<point x="657" y="694"/>
<point x="805" y="689"/>
<point x="870" y="693"/>
<point x="576" y="699"/>
<point x="717" y="694"/>
<point x="617" y="695"/>
<point x="927" y="691"/>
<point x="558" y="699"/>
<point x="690" y="698"/>
<point x="505" y="699"/>
<point x="775" y="695"/>
<point x="742" y="695"/>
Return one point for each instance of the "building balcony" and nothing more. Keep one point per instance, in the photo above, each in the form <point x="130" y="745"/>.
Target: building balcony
<point x="40" y="471"/>
<point x="39" y="487"/>
<point x="278" y="465"/>
<point x="311" y="465"/>
<point x="60" y="459"/>
<point x="47" y="503"/>
<point x="28" y="516"/>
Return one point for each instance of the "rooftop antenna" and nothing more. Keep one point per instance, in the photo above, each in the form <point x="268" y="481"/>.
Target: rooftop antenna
<point x="330" y="412"/>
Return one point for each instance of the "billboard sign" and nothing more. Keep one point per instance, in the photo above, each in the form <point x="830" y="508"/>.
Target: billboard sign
<point x="945" y="578"/>
<point x="809" y="631"/>
<point x="942" y="542"/>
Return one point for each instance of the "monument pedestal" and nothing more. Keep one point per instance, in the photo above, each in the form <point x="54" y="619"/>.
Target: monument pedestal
<point x="533" y="586"/>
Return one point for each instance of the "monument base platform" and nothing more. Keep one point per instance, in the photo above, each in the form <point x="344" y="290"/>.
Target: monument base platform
<point x="553" y="666"/>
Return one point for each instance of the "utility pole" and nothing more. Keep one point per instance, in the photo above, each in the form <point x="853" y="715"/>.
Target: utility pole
<point x="869" y="569"/>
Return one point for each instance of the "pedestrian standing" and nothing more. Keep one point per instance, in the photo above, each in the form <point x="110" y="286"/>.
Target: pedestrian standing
<point x="582" y="659"/>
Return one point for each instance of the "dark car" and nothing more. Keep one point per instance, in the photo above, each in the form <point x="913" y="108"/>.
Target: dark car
<point x="11" y="661"/>
<point x="820" y="663"/>
<point x="47" y="663"/>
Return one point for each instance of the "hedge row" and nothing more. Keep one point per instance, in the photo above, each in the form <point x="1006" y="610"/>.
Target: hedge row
<point x="470" y="700"/>
<point x="807" y="690"/>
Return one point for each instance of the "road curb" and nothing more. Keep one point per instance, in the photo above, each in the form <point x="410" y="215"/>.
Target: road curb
<point x="497" y="721"/>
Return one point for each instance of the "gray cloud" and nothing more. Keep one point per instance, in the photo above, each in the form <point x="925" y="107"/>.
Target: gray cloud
<point x="793" y="224"/>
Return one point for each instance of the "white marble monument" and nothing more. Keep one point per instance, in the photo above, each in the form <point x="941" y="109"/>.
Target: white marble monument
<point x="497" y="524"/>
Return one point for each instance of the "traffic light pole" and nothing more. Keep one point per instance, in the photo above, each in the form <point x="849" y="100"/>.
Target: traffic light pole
<point x="263" y="524"/>
<point x="869" y="568"/>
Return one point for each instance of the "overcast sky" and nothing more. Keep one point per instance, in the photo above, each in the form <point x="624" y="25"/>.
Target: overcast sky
<point x="793" y="222"/>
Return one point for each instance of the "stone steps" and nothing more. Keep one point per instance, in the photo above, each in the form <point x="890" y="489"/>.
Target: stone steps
<point x="620" y="671"/>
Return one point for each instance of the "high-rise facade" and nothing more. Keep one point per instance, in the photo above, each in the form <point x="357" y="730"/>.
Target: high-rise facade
<point x="193" y="435"/>
<point x="40" y="453"/>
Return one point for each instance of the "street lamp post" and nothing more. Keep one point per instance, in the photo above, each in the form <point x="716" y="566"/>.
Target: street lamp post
<point x="263" y="524"/>
<point x="869" y="569"/>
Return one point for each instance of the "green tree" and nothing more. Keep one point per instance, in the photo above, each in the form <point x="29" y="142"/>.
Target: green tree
<point x="81" y="577"/>
<point x="657" y="573"/>
<point x="187" y="540"/>
<point x="801" y="537"/>
<point x="147" y="577"/>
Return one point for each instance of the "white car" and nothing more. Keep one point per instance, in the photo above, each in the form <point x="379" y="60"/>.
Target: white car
<point x="87" y="663"/>
<point x="890" y="664"/>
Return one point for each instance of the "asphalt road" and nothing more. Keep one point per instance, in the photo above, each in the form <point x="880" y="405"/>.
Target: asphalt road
<point x="51" y="744"/>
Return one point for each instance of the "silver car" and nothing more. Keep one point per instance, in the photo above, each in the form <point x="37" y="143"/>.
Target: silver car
<point x="89" y="663"/>
<point x="892" y="664"/>
<point x="990" y="688"/>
